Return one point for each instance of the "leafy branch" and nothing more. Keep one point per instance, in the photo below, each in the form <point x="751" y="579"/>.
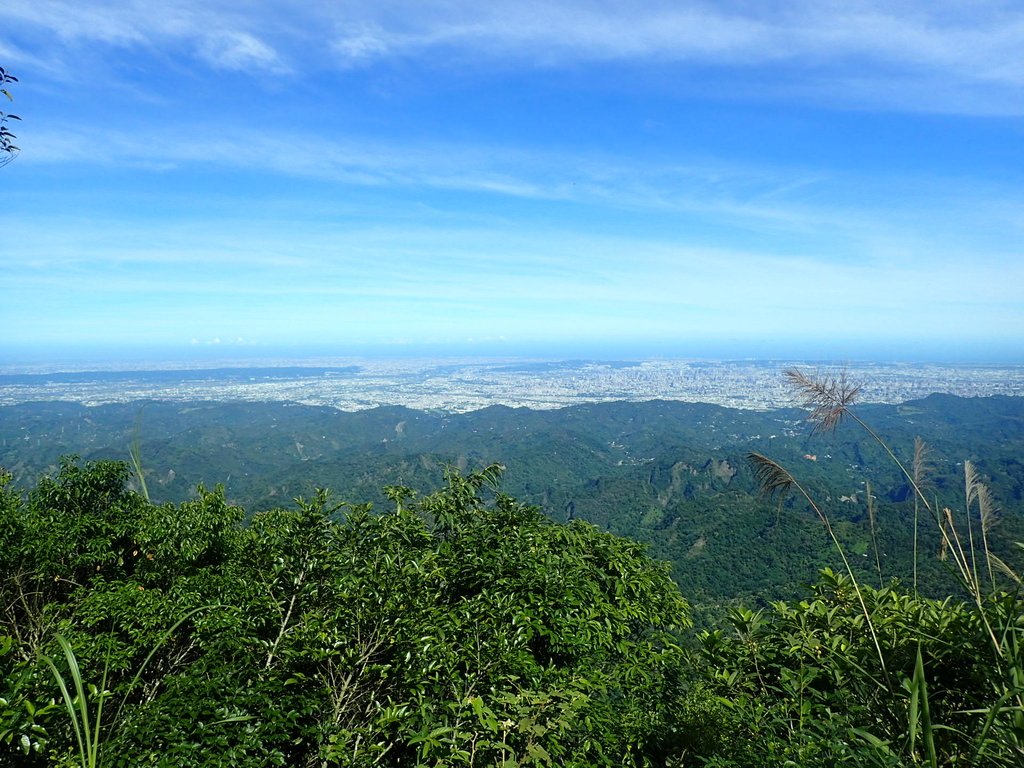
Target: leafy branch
<point x="8" y="149"/>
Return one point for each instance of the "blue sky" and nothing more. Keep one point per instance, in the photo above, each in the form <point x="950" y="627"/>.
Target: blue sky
<point x="834" y="179"/>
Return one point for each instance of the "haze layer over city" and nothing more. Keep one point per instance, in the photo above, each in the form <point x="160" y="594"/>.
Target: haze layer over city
<point x="458" y="384"/>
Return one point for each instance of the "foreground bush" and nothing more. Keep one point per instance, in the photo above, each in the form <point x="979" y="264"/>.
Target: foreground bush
<point x="465" y="628"/>
<point x="448" y="631"/>
<point x="803" y="682"/>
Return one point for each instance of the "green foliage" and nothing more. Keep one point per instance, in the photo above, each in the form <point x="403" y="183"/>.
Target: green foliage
<point x="87" y="739"/>
<point x="670" y="475"/>
<point x="461" y="628"/>
<point x="803" y="681"/>
<point x="21" y="716"/>
<point x="960" y="702"/>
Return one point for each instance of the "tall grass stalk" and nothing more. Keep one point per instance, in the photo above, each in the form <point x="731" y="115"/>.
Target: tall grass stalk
<point x="135" y="452"/>
<point x="88" y="730"/>
<point x="971" y="484"/>
<point x="988" y="513"/>
<point x="77" y="706"/>
<point x="774" y="478"/>
<point x="874" y="535"/>
<point x="830" y="399"/>
<point x="919" y="716"/>
<point x="920" y="467"/>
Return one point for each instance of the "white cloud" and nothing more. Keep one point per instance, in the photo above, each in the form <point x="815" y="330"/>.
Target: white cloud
<point x="222" y="34"/>
<point x="977" y="42"/>
<point x="72" y="21"/>
<point x="362" y="45"/>
<point x="859" y="217"/>
<point x="240" y="51"/>
<point x="931" y="54"/>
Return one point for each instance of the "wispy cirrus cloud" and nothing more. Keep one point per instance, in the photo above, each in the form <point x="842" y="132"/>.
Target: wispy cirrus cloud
<point x="240" y="51"/>
<point x="978" y="40"/>
<point x="222" y="35"/>
<point x="500" y="277"/>
<point x="492" y="164"/>
<point x="877" y="215"/>
<point x="735" y="195"/>
<point x="913" y="56"/>
<point x="938" y="55"/>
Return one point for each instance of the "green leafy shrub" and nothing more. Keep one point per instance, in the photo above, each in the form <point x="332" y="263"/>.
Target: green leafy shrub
<point x="463" y="628"/>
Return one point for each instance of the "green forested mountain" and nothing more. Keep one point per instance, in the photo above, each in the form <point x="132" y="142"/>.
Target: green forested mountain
<point x="459" y="629"/>
<point x="671" y="475"/>
<point x="460" y="626"/>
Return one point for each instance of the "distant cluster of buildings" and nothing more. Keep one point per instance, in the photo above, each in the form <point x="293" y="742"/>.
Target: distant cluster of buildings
<point x="464" y="385"/>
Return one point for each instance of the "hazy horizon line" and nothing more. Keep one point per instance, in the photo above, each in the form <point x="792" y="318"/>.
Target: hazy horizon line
<point x="167" y="357"/>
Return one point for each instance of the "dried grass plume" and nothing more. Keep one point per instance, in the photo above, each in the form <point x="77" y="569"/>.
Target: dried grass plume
<point x="828" y="397"/>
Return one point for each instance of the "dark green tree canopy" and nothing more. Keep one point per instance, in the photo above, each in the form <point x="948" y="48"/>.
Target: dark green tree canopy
<point x="459" y="628"/>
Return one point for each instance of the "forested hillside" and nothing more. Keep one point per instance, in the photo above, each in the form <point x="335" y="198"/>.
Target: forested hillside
<point x="465" y="628"/>
<point x="671" y="475"/>
<point x="460" y="626"/>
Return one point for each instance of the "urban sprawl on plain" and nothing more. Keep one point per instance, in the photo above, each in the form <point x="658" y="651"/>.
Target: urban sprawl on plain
<point x="462" y="385"/>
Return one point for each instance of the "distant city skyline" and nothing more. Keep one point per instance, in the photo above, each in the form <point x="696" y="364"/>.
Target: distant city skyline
<point x="457" y="385"/>
<point x="559" y="179"/>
